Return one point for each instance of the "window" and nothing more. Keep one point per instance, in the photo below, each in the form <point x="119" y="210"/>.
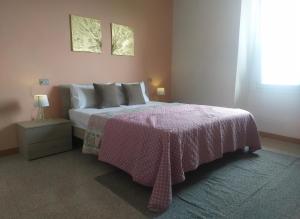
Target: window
<point x="280" y="42"/>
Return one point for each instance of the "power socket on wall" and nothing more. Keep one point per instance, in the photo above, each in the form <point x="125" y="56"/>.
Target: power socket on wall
<point x="44" y="82"/>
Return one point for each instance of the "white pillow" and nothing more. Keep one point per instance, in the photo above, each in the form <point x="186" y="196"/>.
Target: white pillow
<point x="83" y="96"/>
<point x="144" y="92"/>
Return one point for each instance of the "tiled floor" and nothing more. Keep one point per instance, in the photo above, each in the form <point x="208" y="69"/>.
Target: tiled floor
<point x="60" y="186"/>
<point x="64" y="186"/>
<point x="281" y="146"/>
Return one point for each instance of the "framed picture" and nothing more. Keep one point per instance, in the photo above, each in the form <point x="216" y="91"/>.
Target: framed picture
<point x="86" y="34"/>
<point x="122" y="40"/>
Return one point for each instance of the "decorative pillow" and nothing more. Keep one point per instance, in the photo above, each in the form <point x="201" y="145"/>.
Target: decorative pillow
<point x="83" y="96"/>
<point x="107" y="95"/>
<point x="121" y="94"/>
<point x="134" y="93"/>
<point x="144" y="90"/>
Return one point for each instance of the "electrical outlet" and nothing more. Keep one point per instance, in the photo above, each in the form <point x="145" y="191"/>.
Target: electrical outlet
<point x="44" y="82"/>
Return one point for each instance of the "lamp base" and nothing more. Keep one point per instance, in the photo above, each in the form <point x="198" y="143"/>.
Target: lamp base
<point x="40" y="114"/>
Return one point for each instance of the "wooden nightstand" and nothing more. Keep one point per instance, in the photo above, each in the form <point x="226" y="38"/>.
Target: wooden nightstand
<point x="45" y="137"/>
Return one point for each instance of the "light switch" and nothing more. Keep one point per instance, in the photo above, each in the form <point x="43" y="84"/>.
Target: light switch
<point x="44" y="82"/>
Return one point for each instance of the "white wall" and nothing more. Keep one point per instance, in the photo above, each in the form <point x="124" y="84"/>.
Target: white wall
<point x="205" y="36"/>
<point x="276" y="109"/>
<point x="204" y="65"/>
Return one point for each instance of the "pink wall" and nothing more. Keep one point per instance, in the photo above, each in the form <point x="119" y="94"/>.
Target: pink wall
<point x="35" y="43"/>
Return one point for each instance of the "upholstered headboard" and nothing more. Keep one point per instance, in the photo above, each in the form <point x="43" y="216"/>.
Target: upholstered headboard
<point x="65" y="94"/>
<point x="66" y="100"/>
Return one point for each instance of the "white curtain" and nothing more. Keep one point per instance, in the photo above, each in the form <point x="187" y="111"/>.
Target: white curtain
<point x="248" y="65"/>
<point x="280" y="34"/>
<point x="274" y="105"/>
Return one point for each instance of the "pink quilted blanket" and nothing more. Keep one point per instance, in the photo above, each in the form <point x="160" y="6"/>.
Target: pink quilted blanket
<point x="157" y="146"/>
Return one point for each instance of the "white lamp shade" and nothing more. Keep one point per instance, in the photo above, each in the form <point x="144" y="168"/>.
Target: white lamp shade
<point x="161" y="91"/>
<point x="41" y="101"/>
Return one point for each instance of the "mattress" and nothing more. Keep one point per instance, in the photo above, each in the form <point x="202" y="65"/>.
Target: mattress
<point x="80" y="117"/>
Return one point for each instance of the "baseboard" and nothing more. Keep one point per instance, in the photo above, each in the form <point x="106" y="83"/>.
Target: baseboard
<point x="280" y="137"/>
<point x="9" y="151"/>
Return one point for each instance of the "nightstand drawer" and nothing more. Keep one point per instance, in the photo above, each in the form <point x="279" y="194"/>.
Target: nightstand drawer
<point x="40" y="138"/>
<point x="47" y="148"/>
<point x="46" y="133"/>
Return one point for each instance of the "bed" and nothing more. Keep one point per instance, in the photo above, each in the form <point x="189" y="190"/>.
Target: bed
<point x="157" y="143"/>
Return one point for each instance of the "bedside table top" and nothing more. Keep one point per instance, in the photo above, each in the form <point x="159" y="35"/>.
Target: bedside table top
<point x="41" y="123"/>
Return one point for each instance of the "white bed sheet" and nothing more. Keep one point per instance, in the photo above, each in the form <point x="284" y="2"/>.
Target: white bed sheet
<point x="80" y="117"/>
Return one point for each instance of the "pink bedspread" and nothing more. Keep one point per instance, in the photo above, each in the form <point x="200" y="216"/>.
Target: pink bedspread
<point x="157" y="146"/>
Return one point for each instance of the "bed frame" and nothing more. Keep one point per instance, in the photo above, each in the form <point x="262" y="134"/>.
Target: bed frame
<point x="66" y="106"/>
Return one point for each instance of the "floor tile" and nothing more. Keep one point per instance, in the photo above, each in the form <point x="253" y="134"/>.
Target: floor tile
<point x="64" y="186"/>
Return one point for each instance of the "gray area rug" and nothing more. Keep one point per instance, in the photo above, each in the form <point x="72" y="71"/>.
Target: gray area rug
<point x="240" y="185"/>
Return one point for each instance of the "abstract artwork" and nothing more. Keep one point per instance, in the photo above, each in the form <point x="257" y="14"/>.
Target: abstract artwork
<point x="86" y="34"/>
<point x="122" y="40"/>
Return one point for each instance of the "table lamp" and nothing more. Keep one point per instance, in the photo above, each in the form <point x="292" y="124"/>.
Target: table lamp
<point x="160" y="91"/>
<point x="41" y="101"/>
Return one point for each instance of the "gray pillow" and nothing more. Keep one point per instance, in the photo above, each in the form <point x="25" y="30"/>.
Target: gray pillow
<point x="121" y="94"/>
<point x="107" y="95"/>
<point x="134" y="93"/>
